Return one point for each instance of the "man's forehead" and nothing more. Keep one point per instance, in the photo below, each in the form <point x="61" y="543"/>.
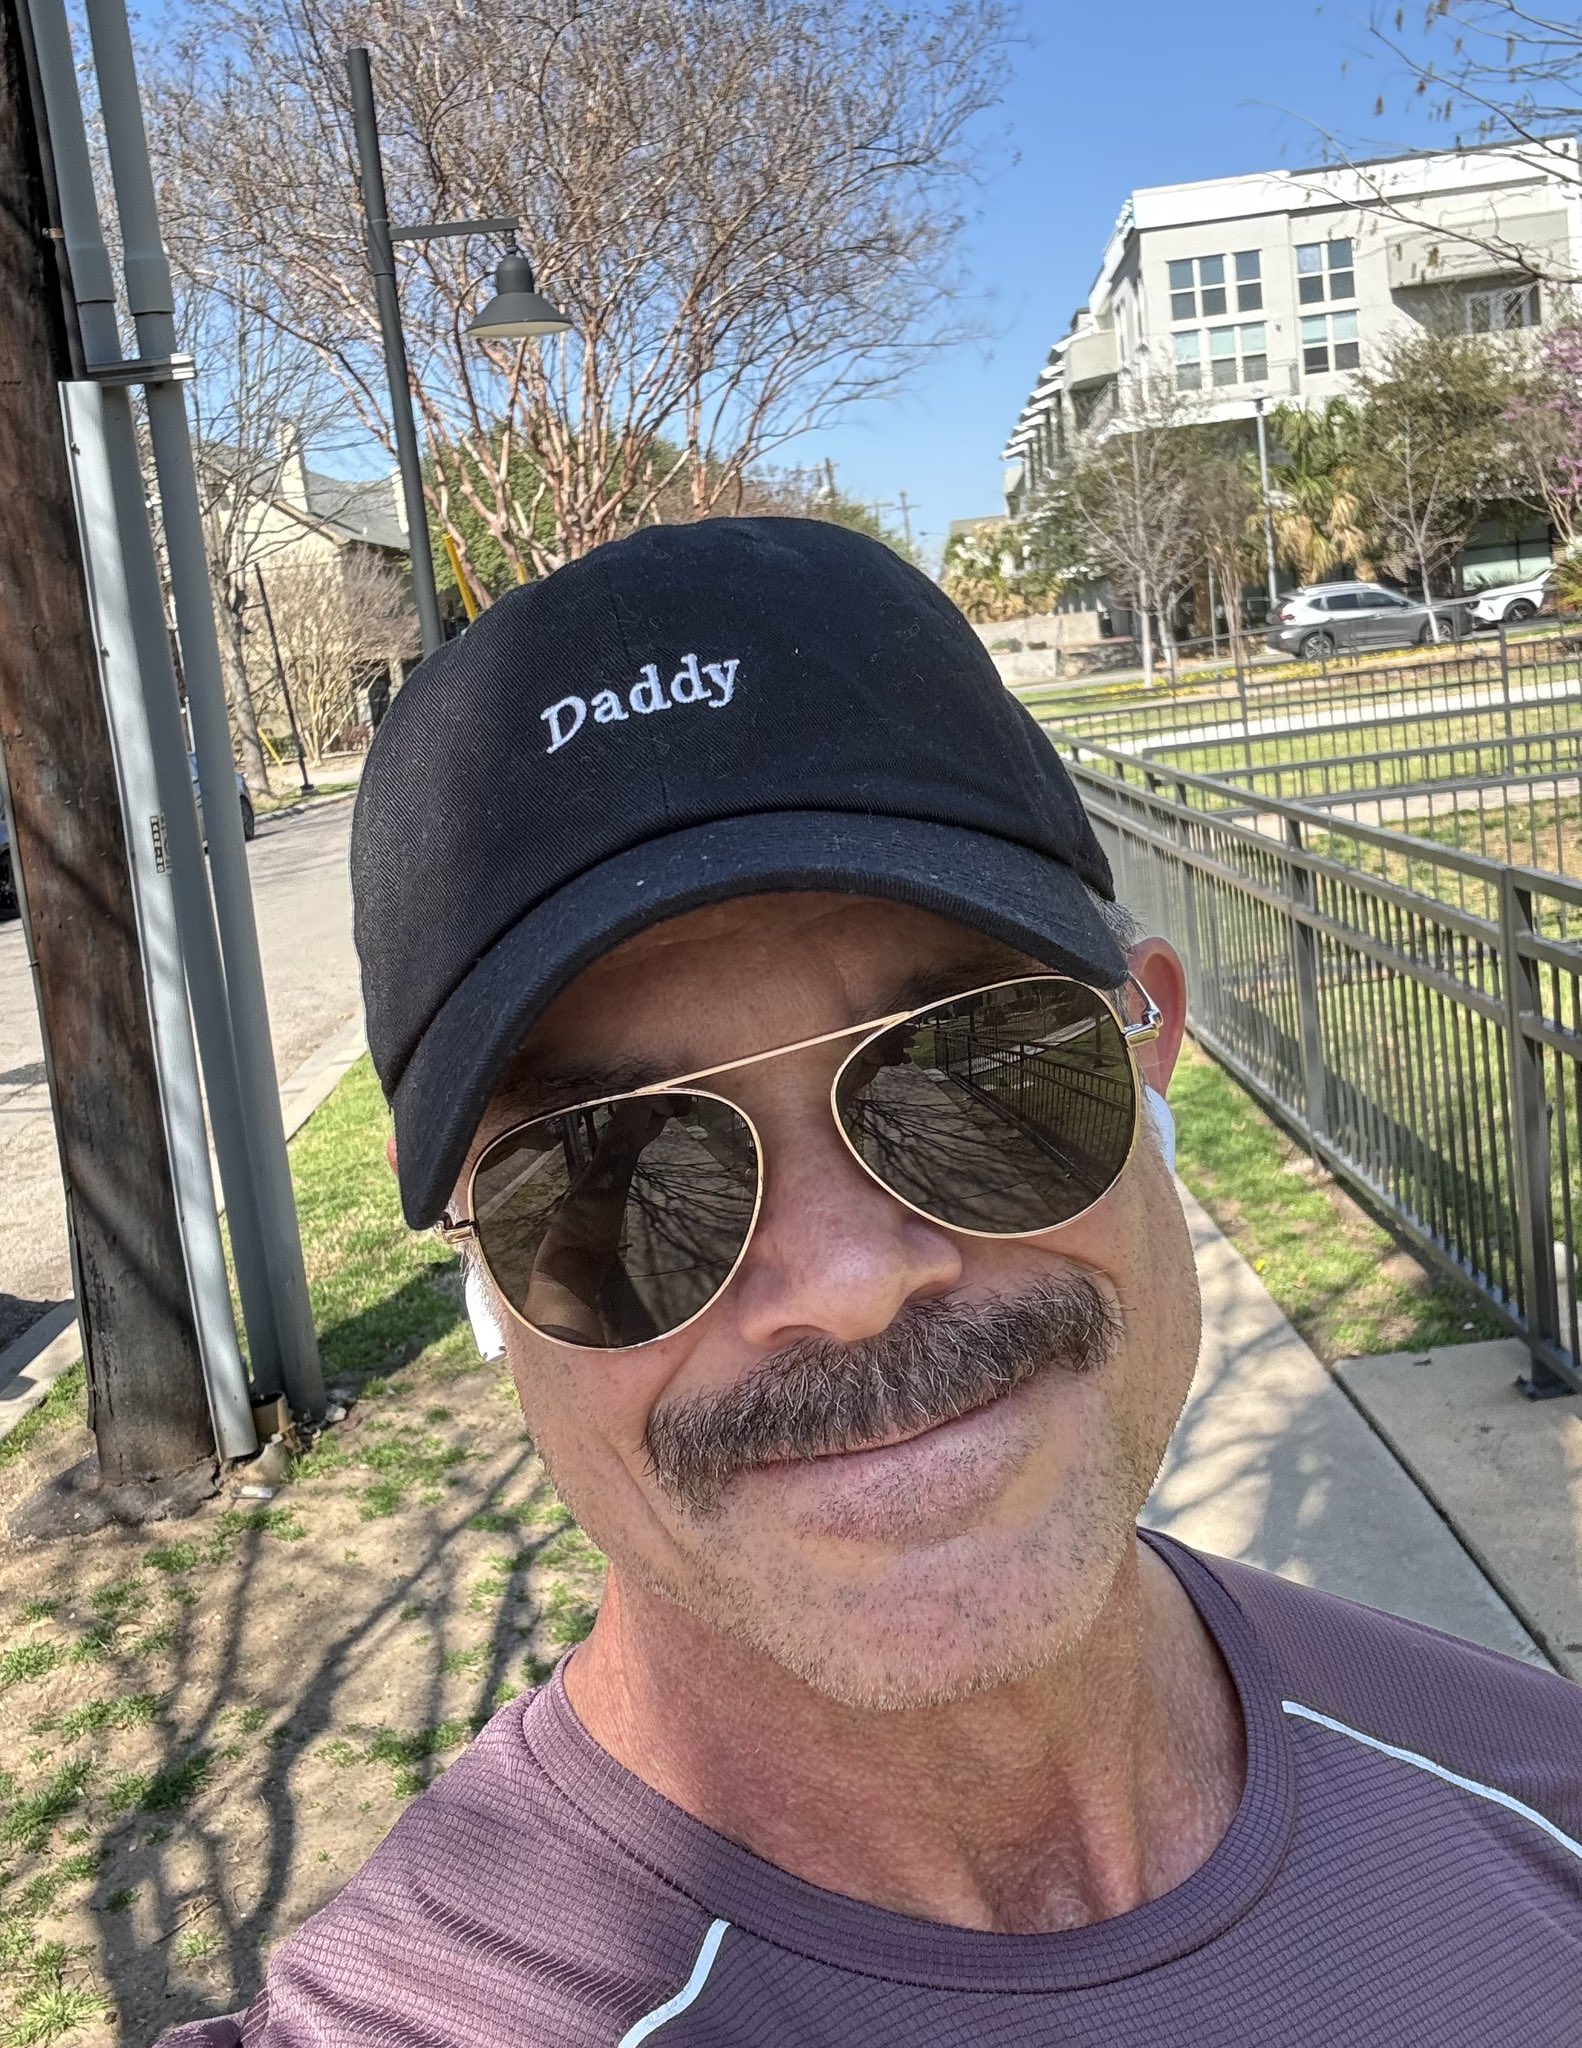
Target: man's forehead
<point x="734" y="978"/>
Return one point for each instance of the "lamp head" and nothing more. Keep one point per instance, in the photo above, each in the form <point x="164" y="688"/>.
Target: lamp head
<point x="517" y="309"/>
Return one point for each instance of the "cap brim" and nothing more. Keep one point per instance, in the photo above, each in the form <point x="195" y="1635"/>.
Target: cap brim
<point x="994" y="886"/>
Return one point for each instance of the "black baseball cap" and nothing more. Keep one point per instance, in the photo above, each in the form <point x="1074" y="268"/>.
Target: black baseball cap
<point x="690" y="714"/>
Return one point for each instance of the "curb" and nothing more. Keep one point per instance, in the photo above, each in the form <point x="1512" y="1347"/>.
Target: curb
<point x="32" y="1364"/>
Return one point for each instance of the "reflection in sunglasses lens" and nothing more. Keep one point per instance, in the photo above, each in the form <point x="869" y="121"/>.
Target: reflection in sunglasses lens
<point x="614" y="1225"/>
<point x="1006" y="1112"/>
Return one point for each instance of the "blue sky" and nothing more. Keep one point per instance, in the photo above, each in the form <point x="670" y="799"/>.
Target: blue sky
<point x="1109" y="95"/>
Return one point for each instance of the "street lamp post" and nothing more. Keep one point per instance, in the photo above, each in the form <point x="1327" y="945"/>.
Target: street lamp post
<point x="516" y="310"/>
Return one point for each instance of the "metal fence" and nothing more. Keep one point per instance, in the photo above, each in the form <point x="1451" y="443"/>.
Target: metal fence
<point x="1427" y="1051"/>
<point x="1513" y="672"/>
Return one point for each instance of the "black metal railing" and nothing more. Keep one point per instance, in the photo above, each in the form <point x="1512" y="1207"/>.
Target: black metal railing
<point x="1412" y="1010"/>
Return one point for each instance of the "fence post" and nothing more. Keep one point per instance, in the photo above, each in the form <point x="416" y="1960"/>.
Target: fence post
<point x="1505" y="699"/>
<point x="1304" y="954"/>
<point x="1241" y="702"/>
<point x="1530" y="1164"/>
<point x="1191" y="946"/>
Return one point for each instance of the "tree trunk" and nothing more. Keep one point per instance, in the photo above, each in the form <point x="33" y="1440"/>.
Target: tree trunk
<point x="239" y="689"/>
<point x="147" y="1403"/>
<point x="1428" y="599"/>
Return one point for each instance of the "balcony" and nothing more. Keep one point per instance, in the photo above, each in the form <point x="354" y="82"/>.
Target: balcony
<point x="1526" y="243"/>
<point x="1092" y="358"/>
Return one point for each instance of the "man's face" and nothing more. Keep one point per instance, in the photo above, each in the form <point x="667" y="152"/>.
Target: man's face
<point x="971" y="1552"/>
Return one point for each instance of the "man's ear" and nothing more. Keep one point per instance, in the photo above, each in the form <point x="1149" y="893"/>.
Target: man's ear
<point x="1157" y="965"/>
<point x="390" y="1153"/>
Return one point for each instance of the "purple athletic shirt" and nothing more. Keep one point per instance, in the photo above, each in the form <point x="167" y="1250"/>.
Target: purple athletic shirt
<point x="1404" y="1869"/>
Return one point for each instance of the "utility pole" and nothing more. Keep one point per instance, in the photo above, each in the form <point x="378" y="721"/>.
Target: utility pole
<point x="905" y="504"/>
<point x="147" y="1400"/>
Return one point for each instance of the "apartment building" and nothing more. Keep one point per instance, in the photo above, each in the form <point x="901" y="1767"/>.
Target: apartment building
<point x="1273" y="288"/>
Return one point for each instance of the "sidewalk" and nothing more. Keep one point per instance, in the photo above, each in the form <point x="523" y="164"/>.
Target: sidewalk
<point x="50" y="1347"/>
<point x="1274" y="1463"/>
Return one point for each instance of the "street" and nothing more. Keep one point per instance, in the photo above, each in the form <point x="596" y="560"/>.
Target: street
<point x="298" y="866"/>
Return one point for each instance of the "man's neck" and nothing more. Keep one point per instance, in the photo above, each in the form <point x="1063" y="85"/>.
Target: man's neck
<point x="1067" y="1797"/>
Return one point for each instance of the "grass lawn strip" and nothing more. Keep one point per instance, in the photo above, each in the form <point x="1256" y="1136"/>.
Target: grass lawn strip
<point x="1348" y="1286"/>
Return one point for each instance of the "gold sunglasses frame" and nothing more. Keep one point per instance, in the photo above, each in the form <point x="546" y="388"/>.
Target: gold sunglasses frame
<point x="459" y="1231"/>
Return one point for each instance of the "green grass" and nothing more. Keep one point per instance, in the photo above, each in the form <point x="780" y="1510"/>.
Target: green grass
<point x="1339" y="1276"/>
<point x="569" y="1615"/>
<point x="280" y="1523"/>
<point x="381" y="1294"/>
<point x="406" y="1754"/>
<point x="28" y="1823"/>
<point x="197" y="1944"/>
<point x="25" y="1661"/>
<point x="159" y="1791"/>
<point x="62" y="1404"/>
<point x="174" y="1557"/>
<point x="94" y="1717"/>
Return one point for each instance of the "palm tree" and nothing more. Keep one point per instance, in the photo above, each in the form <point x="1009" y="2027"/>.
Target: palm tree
<point x="1317" y="516"/>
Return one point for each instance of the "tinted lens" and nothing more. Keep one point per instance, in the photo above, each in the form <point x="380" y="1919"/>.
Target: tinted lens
<point x="1005" y="1112"/>
<point x="615" y="1225"/>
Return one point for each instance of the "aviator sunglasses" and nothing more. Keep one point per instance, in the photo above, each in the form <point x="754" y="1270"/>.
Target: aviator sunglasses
<point x="1003" y="1112"/>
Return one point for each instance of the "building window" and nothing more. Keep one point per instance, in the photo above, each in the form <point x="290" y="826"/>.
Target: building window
<point x="1237" y="354"/>
<point x="1197" y="288"/>
<point x="1329" y="342"/>
<point x="1324" y="270"/>
<point x="1498" y="312"/>
<point x="1189" y="362"/>
<point x="1249" y="281"/>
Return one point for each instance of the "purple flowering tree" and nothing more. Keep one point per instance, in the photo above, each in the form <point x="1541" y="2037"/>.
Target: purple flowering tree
<point x="1544" y="422"/>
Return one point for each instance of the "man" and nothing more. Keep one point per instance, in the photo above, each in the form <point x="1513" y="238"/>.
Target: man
<point x="741" y="968"/>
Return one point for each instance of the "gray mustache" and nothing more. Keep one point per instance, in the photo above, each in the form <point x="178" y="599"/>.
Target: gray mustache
<point x="937" y="1360"/>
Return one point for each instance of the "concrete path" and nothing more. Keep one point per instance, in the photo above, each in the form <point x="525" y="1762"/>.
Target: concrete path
<point x="1274" y="1464"/>
<point x="1506" y="1471"/>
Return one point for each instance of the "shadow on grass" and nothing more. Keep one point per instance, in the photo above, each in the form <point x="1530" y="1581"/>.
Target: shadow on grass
<point x="207" y="1726"/>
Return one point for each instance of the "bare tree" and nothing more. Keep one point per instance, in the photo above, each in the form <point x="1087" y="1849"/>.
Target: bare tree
<point x="1125" y="500"/>
<point x="1488" y="71"/>
<point x="749" y="210"/>
<point x="261" y="398"/>
<point x="1222" y="507"/>
<point x="341" y="621"/>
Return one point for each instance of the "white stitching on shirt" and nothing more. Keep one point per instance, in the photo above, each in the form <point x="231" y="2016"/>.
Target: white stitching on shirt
<point x="1425" y="1763"/>
<point x="651" y="2022"/>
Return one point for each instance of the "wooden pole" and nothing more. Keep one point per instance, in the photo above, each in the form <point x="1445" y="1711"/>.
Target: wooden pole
<point x="146" y="1398"/>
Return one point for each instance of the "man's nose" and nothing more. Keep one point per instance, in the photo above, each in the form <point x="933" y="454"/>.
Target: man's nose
<point x="833" y="1254"/>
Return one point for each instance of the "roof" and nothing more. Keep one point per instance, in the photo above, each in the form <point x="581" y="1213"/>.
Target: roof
<point x="356" y="511"/>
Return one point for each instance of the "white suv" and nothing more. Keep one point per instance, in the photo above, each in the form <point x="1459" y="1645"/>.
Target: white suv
<point x="1511" y="602"/>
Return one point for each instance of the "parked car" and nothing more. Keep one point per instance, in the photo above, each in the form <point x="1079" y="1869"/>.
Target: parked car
<point x="1511" y="602"/>
<point x="249" y="822"/>
<point x="1322" y="619"/>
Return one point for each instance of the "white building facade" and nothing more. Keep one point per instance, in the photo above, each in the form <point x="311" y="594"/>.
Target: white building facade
<point x="1276" y="288"/>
